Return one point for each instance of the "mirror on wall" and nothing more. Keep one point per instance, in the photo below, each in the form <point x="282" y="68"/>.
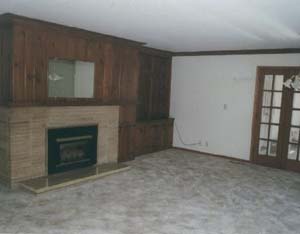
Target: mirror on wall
<point x="70" y="78"/>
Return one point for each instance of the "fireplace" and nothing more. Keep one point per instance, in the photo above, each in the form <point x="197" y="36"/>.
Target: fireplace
<point x="71" y="148"/>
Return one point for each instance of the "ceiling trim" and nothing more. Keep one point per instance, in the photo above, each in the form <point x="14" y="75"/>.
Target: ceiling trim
<point x="239" y="52"/>
<point x="156" y="52"/>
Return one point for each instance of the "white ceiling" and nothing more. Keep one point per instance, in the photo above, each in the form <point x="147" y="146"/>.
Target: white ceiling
<point x="176" y="25"/>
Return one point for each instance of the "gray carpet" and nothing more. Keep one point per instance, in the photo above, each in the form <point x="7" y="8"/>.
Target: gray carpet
<point x="170" y="192"/>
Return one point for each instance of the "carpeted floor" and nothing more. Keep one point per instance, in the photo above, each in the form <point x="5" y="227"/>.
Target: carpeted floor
<point x="170" y="192"/>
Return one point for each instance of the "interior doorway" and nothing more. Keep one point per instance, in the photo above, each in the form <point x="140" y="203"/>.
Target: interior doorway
<point x="276" y="119"/>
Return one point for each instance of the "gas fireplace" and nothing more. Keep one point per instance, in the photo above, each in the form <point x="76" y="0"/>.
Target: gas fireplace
<point x="71" y="148"/>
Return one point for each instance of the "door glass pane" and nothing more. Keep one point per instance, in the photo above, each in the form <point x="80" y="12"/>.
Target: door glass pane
<point x="296" y="100"/>
<point x="264" y="130"/>
<point x="268" y="82"/>
<point x="278" y="82"/>
<point x="292" y="153"/>
<point x="294" y="135"/>
<point x="277" y="99"/>
<point x="275" y="116"/>
<point x="267" y="99"/>
<point x="274" y="132"/>
<point x="265" y="115"/>
<point x="296" y="118"/>
<point x="272" y="149"/>
<point x="262" y="147"/>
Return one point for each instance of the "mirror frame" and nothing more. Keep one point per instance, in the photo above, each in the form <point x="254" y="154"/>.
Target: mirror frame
<point x="71" y="100"/>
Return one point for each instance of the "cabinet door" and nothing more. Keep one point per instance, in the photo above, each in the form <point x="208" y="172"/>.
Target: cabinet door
<point x="158" y="136"/>
<point x="169" y="135"/>
<point x="125" y="144"/>
<point x="160" y="88"/>
<point x="139" y="140"/>
<point x="154" y="87"/>
<point x="144" y="87"/>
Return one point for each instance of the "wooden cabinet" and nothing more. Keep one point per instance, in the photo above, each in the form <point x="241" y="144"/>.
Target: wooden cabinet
<point x="126" y="148"/>
<point x="153" y="130"/>
<point x="145" y="137"/>
<point x="154" y="87"/>
<point x="151" y="136"/>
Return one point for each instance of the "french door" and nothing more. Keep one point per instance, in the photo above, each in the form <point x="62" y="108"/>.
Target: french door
<point x="276" y="120"/>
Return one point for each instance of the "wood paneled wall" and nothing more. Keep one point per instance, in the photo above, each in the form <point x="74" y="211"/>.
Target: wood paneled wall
<point x="5" y="64"/>
<point x="126" y="74"/>
<point x="154" y="87"/>
<point x="34" y="43"/>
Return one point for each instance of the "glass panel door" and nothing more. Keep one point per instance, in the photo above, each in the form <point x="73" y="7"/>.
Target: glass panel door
<point x="270" y="115"/>
<point x="293" y="152"/>
<point x="276" y="125"/>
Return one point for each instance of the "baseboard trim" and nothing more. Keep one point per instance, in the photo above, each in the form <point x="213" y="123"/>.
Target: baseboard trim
<point x="213" y="155"/>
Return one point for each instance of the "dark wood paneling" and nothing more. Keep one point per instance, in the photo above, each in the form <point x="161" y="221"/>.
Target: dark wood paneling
<point x="33" y="46"/>
<point x="7" y="18"/>
<point x="5" y="64"/>
<point x="127" y="113"/>
<point x="125" y="143"/>
<point x="29" y="66"/>
<point x="152" y="136"/>
<point x="160" y="88"/>
<point x="128" y="83"/>
<point x="144" y="90"/>
<point x="116" y="65"/>
<point x="144" y="137"/>
<point x="153" y="101"/>
<point x="154" y="87"/>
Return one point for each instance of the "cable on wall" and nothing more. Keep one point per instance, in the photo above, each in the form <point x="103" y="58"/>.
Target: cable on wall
<point x="180" y="137"/>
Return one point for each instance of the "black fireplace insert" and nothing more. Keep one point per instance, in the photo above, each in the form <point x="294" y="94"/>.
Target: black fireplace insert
<point x="71" y="148"/>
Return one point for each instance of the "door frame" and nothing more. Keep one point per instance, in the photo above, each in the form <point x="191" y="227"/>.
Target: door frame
<point x="280" y="161"/>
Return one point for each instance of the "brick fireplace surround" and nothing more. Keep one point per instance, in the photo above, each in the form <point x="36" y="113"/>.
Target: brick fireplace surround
<point x="23" y="137"/>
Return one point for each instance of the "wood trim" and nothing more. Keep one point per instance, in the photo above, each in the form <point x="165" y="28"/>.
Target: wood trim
<point x="167" y="121"/>
<point x="71" y="102"/>
<point x="239" y="52"/>
<point x="213" y="155"/>
<point x="156" y="52"/>
<point x="255" y="116"/>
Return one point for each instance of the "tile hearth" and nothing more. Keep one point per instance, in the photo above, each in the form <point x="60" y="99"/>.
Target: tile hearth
<point x="57" y="181"/>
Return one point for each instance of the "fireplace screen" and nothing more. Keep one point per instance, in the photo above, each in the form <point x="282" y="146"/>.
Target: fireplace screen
<point x="71" y="148"/>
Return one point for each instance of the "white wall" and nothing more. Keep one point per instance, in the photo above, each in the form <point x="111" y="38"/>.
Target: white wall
<point x="202" y="85"/>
